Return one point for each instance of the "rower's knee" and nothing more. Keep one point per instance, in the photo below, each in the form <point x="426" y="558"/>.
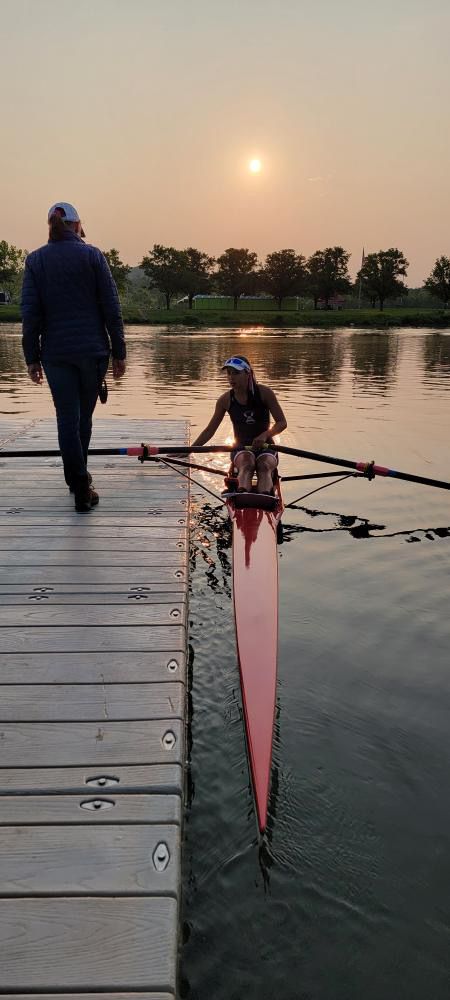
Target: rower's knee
<point x="267" y="463"/>
<point x="245" y="462"/>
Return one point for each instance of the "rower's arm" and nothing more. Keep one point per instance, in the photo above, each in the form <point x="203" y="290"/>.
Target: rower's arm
<point x="214" y="423"/>
<point x="276" y="412"/>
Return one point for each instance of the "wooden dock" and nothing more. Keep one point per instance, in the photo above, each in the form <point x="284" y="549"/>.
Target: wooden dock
<point x="93" y="617"/>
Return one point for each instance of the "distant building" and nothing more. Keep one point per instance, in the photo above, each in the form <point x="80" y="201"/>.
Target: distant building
<point x="4" y="298"/>
<point x="336" y="302"/>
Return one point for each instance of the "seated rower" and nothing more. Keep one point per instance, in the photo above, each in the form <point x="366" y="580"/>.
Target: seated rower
<point x="250" y="406"/>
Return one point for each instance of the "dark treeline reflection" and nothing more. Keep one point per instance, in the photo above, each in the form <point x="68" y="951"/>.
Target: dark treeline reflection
<point x="160" y="357"/>
<point x="374" y="356"/>
<point x="166" y="358"/>
<point x="320" y="358"/>
<point x="276" y="358"/>
<point x="11" y="358"/>
<point x="436" y="354"/>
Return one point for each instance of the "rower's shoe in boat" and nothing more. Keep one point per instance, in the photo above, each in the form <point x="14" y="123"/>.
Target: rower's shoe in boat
<point x="85" y="496"/>
<point x="260" y="501"/>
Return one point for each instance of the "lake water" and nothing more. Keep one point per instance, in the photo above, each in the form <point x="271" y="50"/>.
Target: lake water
<point x="349" y="896"/>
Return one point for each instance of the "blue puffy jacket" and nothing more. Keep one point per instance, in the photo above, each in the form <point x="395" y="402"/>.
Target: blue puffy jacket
<point x="70" y="303"/>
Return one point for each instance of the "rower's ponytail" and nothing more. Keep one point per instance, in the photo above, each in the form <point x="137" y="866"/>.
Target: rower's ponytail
<point x="57" y="227"/>
<point x="251" y="379"/>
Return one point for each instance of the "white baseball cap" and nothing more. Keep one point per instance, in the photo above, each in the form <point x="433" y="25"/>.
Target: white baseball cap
<point x="66" y="211"/>
<point x="238" y="363"/>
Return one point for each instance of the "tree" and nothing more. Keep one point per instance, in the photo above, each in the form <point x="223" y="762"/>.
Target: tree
<point x="236" y="273"/>
<point x="11" y="262"/>
<point x="197" y="274"/>
<point x="283" y="274"/>
<point x="327" y="274"/>
<point x="118" y="270"/>
<point x="380" y="275"/>
<point x="165" y="267"/>
<point x="438" y="282"/>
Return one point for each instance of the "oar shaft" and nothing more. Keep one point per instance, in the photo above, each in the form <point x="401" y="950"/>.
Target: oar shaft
<point x="364" y="467"/>
<point x="55" y="452"/>
<point x="135" y="450"/>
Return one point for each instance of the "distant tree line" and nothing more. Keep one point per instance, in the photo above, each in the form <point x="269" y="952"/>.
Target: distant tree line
<point x="12" y="262"/>
<point x="322" y="277"/>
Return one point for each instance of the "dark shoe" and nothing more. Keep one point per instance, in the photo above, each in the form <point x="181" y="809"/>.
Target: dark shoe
<point x="84" y="501"/>
<point x="71" y="489"/>
<point x="85" y="496"/>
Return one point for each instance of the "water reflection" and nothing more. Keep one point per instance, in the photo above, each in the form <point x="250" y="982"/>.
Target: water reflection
<point x="320" y="357"/>
<point x="436" y="354"/>
<point x="165" y="358"/>
<point x="374" y="356"/>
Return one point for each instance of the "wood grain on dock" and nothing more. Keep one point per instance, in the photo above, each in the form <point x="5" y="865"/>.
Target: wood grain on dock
<point x="93" y="618"/>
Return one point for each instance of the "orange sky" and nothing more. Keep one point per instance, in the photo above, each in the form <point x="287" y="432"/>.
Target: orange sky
<point x="145" y="114"/>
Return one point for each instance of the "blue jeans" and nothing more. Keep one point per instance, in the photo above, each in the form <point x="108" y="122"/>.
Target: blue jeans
<point x="74" y="383"/>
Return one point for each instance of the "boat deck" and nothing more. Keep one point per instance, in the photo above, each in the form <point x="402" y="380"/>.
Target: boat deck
<point x="93" y="616"/>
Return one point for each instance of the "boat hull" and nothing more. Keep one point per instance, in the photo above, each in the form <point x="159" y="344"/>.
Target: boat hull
<point x="255" y="595"/>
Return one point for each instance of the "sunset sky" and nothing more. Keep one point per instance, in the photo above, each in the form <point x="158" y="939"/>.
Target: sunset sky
<point x="145" y="114"/>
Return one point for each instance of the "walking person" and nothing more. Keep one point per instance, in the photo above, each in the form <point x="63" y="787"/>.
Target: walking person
<point x="250" y="406"/>
<point x="71" y="323"/>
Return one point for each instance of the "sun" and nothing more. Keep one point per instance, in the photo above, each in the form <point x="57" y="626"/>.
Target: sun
<point x="255" y="166"/>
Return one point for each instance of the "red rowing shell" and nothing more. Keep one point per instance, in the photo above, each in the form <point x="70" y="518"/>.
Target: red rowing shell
<point x="255" y="593"/>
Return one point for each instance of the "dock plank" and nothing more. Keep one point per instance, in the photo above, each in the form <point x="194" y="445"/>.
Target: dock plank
<point x="109" y="526"/>
<point x="94" y="640"/>
<point x="36" y="744"/>
<point x="121" y="780"/>
<point x="93" y="531"/>
<point x="113" y="667"/>
<point x="83" y="702"/>
<point x="113" y="503"/>
<point x="90" y="860"/>
<point x="42" y="575"/>
<point x="90" y="615"/>
<point x="79" y="542"/>
<point x="88" y="996"/>
<point x="100" y="594"/>
<point x="103" y="808"/>
<point x="84" y="944"/>
<point x="93" y="558"/>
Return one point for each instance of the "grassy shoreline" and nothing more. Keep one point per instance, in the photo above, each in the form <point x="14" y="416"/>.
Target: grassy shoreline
<point x="196" y="320"/>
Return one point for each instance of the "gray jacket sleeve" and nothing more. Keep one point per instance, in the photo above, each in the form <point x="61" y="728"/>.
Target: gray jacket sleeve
<point x="110" y="305"/>
<point x="32" y="317"/>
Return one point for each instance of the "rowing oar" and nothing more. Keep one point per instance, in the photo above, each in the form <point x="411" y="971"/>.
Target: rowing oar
<point x="142" y="452"/>
<point x="369" y="469"/>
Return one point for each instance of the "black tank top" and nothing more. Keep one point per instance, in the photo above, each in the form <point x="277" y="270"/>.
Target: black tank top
<point x="249" y="419"/>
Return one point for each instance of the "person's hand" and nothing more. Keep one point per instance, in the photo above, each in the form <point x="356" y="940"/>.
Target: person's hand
<point x="118" y="367"/>
<point x="35" y="373"/>
<point x="259" y="441"/>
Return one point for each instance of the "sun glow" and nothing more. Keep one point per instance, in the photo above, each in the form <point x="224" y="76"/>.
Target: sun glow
<point x="255" y="166"/>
